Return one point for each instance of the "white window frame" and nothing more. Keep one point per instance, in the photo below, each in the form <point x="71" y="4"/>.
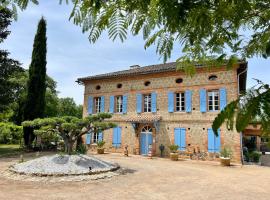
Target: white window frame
<point x="97" y="102"/>
<point x="119" y="104"/>
<point x="180" y="99"/>
<point x="147" y="103"/>
<point x="214" y="102"/>
<point x="95" y="138"/>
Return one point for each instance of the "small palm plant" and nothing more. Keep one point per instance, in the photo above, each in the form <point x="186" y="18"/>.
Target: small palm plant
<point x="100" y="144"/>
<point x="100" y="147"/>
<point x="173" y="148"/>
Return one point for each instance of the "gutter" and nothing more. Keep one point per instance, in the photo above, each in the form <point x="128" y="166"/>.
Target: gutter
<point x="241" y="134"/>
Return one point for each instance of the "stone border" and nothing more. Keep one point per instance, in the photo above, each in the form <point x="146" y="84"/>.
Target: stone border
<point x="99" y="171"/>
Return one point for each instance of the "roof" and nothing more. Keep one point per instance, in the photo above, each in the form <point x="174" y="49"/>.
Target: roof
<point x="134" y="70"/>
<point x="137" y="70"/>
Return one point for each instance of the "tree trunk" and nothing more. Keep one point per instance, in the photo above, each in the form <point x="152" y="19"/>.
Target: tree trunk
<point x="68" y="146"/>
<point x="28" y="135"/>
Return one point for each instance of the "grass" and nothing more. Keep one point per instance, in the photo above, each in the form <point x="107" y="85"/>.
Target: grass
<point x="9" y="149"/>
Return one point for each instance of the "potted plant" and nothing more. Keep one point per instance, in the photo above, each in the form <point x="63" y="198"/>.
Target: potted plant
<point x="225" y="156"/>
<point x="100" y="147"/>
<point x="174" y="152"/>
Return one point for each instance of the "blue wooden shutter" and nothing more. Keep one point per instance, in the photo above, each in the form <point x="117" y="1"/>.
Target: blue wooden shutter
<point x="125" y="102"/>
<point x="183" y="139"/>
<point x="217" y="141"/>
<point x="111" y="104"/>
<point x="188" y="102"/>
<point x="170" y="102"/>
<point x="114" y="143"/>
<point x="211" y="141"/>
<point x="100" y="136"/>
<point x="139" y="103"/>
<point x="223" y="98"/>
<point x="88" y="138"/>
<point x="119" y="134"/>
<point x="154" y="102"/>
<point x="102" y="104"/>
<point x="90" y="105"/>
<point x="203" y="100"/>
<point x="177" y="139"/>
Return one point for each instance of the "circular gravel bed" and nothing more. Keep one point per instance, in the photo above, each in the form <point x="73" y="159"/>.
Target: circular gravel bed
<point x="63" y="165"/>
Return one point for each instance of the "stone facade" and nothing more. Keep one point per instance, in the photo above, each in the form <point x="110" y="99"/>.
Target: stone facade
<point x="196" y="123"/>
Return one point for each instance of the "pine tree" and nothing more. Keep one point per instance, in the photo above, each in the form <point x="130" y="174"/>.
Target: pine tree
<point x="36" y="87"/>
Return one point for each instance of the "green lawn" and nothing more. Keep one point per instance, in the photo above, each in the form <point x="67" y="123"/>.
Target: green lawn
<point x="9" y="149"/>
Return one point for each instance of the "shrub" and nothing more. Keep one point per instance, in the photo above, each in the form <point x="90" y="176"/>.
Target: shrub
<point x="226" y="153"/>
<point x="82" y="149"/>
<point x="100" y="144"/>
<point x="10" y="133"/>
<point x="255" y="156"/>
<point x="173" y="148"/>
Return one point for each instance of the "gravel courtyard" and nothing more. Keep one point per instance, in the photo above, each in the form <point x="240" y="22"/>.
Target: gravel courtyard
<point x="148" y="179"/>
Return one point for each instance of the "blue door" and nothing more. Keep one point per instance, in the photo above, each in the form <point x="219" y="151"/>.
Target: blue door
<point x="146" y="139"/>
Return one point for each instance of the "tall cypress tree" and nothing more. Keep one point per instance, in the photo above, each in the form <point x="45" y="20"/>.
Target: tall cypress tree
<point x="36" y="87"/>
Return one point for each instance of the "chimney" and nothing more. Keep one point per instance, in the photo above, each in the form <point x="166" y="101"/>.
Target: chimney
<point x="134" y="66"/>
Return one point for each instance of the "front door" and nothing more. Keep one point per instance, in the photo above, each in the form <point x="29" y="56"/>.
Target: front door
<point x="146" y="139"/>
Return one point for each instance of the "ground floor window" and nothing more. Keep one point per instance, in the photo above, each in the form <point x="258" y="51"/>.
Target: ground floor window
<point x="97" y="137"/>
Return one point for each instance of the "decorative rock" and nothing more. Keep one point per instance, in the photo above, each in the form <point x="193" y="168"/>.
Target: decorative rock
<point x="59" y="165"/>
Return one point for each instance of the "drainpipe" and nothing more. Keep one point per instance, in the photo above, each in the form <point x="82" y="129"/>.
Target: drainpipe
<point x="241" y="134"/>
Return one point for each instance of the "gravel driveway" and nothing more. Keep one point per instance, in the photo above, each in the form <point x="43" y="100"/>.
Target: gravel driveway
<point x="150" y="179"/>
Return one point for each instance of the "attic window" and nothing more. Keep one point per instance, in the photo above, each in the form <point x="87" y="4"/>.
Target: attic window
<point x="98" y="87"/>
<point x="212" y="78"/>
<point x="119" y="85"/>
<point x="147" y="83"/>
<point x="179" y="80"/>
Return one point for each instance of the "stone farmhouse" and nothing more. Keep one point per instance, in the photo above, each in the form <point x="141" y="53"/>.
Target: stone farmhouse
<point x="156" y="105"/>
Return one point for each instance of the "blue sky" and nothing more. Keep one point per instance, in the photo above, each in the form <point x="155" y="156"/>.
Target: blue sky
<point x="70" y="55"/>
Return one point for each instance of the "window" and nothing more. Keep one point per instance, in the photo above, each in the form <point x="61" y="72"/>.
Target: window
<point x="119" y="85"/>
<point x="180" y="102"/>
<point x="119" y="104"/>
<point x="98" y="87"/>
<point x="179" y="80"/>
<point x="147" y="83"/>
<point x="213" y="100"/>
<point x="147" y="103"/>
<point x="212" y="78"/>
<point x="97" y="102"/>
<point x="95" y="137"/>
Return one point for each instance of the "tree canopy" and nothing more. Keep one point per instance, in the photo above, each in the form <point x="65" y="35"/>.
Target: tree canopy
<point x="207" y="32"/>
<point x="70" y="128"/>
<point x="8" y="67"/>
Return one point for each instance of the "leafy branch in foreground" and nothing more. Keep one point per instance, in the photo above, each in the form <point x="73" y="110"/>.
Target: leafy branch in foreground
<point x="70" y="128"/>
<point x="254" y="106"/>
<point x="200" y="27"/>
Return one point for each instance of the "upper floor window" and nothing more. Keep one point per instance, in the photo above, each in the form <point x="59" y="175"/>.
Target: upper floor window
<point x="119" y="85"/>
<point x="98" y="87"/>
<point x="119" y="104"/>
<point x="180" y="102"/>
<point x="147" y="103"/>
<point x="147" y="83"/>
<point x="213" y="100"/>
<point x="97" y="104"/>
<point x="212" y="78"/>
<point x="179" y="80"/>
